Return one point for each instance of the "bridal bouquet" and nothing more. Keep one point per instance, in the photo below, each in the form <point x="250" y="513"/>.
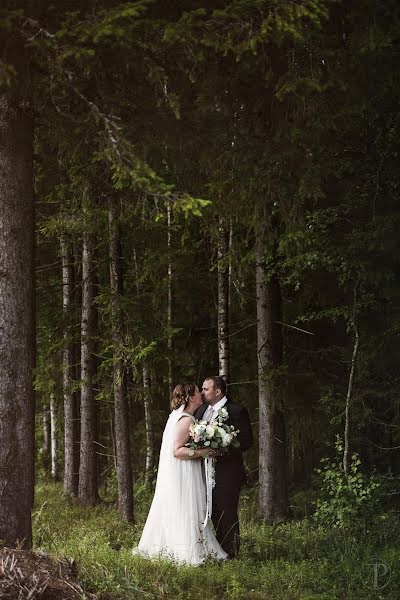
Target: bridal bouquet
<point x="217" y="435"/>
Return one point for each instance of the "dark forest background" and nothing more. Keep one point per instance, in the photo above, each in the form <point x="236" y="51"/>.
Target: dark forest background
<point x="216" y="191"/>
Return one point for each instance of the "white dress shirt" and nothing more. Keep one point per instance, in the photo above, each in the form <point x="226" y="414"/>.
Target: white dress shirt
<point x="212" y="411"/>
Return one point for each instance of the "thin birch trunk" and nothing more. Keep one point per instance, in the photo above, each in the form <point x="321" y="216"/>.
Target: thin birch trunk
<point x="230" y="270"/>
<point x="46" y="431"/>
<point x="112" y="439"/>
<point x="149" y="427"/>
<point x="71" y="468"/>
<point x="53" y="437"/>
<point x="88" y="471"/>
<point x="170" y="304"/>
<point x="346" y="453"/>
<point x="223" y="301"/>
<point x="146" y="402"/>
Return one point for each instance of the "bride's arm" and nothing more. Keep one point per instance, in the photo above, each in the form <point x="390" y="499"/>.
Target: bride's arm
<point x="182" y="437"/>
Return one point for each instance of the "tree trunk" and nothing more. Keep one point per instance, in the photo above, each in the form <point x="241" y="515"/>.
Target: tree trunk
<point x="71" y="456"/>
<point x="149" y="427"/>
<point x="53" y="437"/>
<point x="46" y="431"/>
<point x="88" y="482"/>
<point x="223" y="301"/>
<point x="346" y="453"/>
<point x="16" y="303"/>
<point x="113" y="449"/>
<point x="170" y="306"/>
<point x="273" y="488"/>
<point x="121" y="408"/>
<point x="230" y="275"/>
<point x="146" y="400"/>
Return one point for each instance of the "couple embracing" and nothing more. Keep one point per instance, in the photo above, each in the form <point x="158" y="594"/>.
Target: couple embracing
<point x="176" y="526"/>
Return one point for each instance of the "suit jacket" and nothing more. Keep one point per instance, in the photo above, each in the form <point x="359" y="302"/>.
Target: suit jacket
<point x="229" y="468"/>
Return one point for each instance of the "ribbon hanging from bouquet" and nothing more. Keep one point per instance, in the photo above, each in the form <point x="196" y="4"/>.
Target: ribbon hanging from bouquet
<point x="210" y="483"/>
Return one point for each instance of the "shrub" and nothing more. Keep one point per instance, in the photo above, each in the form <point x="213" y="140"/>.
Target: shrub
<point x="345" y="501"/>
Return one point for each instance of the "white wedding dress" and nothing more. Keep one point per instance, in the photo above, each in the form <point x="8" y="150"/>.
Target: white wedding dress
<point x="174" y="527"/>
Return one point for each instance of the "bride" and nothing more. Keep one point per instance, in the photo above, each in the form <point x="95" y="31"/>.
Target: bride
<point x="174" y="524"/>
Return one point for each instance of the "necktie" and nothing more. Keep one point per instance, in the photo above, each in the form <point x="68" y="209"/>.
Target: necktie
<point x="209" y="413"/>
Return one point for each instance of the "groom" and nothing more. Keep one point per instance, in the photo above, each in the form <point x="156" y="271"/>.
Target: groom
<point x="230" y="474"/>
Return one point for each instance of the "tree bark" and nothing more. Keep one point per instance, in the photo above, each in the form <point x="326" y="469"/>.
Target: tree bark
<point x="273" y="488"/>
<point x="121" y="408"/>
<point x="53" y="437"/>
<point x="71" y="455"/>
<point x="46" y="431"/>
<point x="230" y="270"/>
<point x="223" y="301"/>
<point x="346" y="452"/>
<point x="170" y="305"/>
<point x="146" y="400"/>
<point x="16" y="302"/>
<point x="88" y="480"/>
<point x="149" y="427"/>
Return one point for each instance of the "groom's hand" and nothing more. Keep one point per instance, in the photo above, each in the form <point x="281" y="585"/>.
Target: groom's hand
<point x="215" y="453"/>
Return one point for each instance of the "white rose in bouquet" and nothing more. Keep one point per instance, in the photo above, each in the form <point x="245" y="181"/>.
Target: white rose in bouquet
<point x="210" y="431"/>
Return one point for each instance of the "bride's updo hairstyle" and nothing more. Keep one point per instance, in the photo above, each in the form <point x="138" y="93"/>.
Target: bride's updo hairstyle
<point x="181" y="394"/>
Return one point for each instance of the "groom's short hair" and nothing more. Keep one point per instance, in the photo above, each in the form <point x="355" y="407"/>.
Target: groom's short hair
<point x="218" y="382"/>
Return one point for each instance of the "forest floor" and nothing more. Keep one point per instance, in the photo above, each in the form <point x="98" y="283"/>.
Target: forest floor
<point x="27" y="575"/>
<point x="293" y="561"/>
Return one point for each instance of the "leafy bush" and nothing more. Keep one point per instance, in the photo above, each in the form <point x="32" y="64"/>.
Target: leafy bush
<point x="345" y="501"/>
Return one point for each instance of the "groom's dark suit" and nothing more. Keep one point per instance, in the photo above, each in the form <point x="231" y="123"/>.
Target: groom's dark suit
<point x="230" y="475"/>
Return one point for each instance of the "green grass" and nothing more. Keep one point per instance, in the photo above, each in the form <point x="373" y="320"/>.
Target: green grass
<point x="292" y="561"/>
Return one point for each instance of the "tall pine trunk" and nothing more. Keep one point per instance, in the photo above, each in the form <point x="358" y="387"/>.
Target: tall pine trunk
<point x="121" y="408"/>
<point x="273" y="486"/>
<point x="53" y="437"/>
<point x="88" y="471"/>
<point x="223" y="301"/>
<point x="16" y="302"/>
<point x="71" y="443"/>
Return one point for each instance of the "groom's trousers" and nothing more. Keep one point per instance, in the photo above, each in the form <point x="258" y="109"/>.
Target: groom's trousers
<point x="225" y="518"/>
